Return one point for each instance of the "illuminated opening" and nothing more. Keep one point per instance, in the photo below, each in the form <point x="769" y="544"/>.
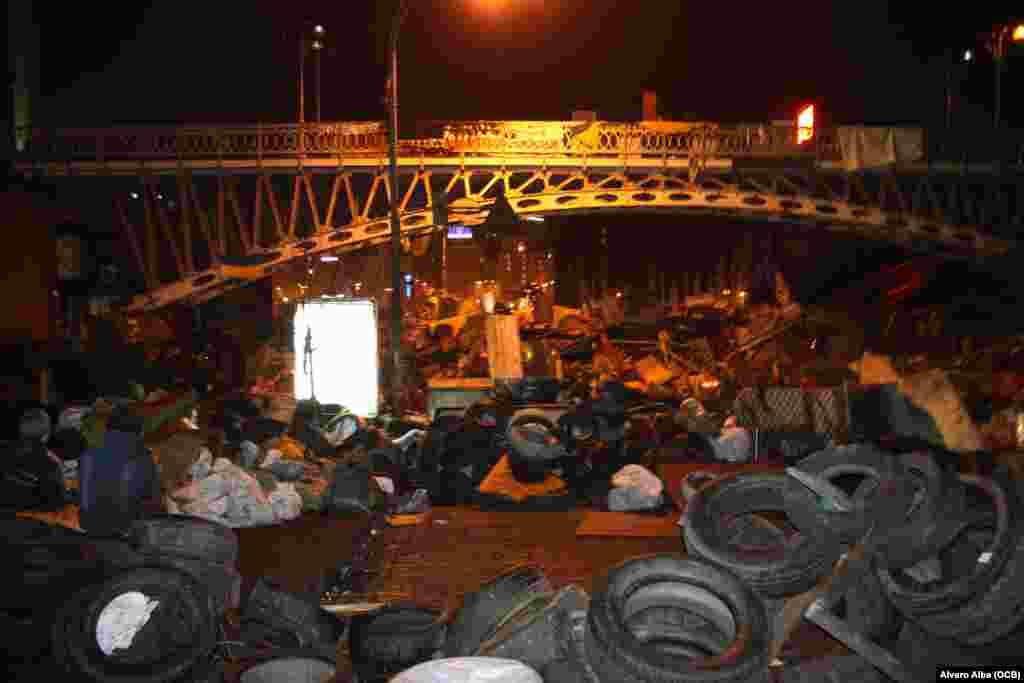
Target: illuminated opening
<point x="344" y="354"/>
<point x="1018" y="32"/>
<point x="805" y="124"/>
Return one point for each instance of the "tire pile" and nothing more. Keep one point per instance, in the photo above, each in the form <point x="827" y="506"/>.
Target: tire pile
<point x="187" y="567"/>
<point x="944" y="556"/>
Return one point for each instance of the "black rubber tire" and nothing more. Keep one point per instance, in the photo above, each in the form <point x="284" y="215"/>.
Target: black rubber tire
<point x="223" y="582"/>
<point x="616" y="654"/>
<point x="916" y="600"/>
<point x="772" y="571"/>
<point x="868" y="610"/>
<point x="573" y="667"/>
<point x="185" y="536"/>
<point x="531" y="462"/>
<point x="290" y="620"/>
<point x="876" y="466"/>
<point x="483" y="612"/>
<point x="393" y="639"/>
<point x="690" y="633"/>
<point x="532" y="636"/>
<point x="930" y="524"/>
<point x="991" y="613"/>
<point x="184" y="617"/>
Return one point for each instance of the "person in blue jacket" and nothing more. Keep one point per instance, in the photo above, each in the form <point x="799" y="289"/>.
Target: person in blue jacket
<point x="118" y="481"/>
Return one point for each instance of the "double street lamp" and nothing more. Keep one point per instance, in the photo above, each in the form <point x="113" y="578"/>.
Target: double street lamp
<point x="997" y="43"/>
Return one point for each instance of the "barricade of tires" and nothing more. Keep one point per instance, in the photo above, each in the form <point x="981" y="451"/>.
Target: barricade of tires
<point x="152" y="609"/>
<point x="945" y="558"/>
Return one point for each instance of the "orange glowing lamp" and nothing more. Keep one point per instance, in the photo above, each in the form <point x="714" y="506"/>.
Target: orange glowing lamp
<point x="1018" y="33"/>
<point x="805" y="124"/>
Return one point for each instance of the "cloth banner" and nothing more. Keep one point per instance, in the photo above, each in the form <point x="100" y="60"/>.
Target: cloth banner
<point x="865" y="147"/>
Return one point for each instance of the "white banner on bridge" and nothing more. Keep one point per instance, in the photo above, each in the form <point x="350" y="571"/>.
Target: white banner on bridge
<point x="872" y="147"/>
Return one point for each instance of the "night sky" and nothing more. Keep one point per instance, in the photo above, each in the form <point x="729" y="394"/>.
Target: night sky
<point x="218" y="62"/>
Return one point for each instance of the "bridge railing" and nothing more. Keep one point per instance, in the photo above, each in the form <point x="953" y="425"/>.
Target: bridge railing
<point x="977" y="144"/>
<point x="479" y="138"/>
<point x="206" y="143"/>
<point x="599" y="139"/>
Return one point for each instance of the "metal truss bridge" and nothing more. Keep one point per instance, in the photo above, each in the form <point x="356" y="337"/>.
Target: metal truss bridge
<point x="193" y="203"/>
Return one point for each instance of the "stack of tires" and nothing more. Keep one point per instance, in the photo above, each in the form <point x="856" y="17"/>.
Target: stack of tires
<point x="175" y="642"/>
<point x="203" y="549"/>
<point x="185" y="568"/>
<point x="43" y="565"/>
<point x="946" y="554"/>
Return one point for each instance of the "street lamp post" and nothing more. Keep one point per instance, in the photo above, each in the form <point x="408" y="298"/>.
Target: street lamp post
<point x="998" y="45"/>
<point x="302" y="84"/>
<point x="396" y="226"/>
<point x="316" y="44"/>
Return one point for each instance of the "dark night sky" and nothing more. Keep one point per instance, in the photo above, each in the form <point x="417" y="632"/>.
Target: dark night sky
<point x="217" y="62"/>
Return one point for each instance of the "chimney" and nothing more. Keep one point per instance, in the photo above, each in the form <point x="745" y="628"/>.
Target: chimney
<point x="650" y="106"/>
<point x="580" y="114"/>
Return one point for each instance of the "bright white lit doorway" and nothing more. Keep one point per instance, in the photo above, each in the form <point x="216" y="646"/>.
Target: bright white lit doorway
<point x="342" y="367"/>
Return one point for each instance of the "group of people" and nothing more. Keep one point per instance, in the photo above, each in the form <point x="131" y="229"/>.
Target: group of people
<point x="117" y="481"/>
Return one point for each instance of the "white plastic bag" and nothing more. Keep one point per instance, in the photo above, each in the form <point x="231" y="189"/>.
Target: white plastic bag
<point x="469" y="670"/>
<point x="122" y="619"/>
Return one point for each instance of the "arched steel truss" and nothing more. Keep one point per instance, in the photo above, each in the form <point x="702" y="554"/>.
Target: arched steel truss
<point x="184" y="214"/>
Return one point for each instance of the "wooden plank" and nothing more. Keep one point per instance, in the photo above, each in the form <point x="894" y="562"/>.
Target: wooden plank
<point x="628" y="524"/>
<point x="504" y="352"/>
<point x="469" y="383"/>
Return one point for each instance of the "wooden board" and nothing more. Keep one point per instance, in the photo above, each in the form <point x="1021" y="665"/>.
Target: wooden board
<point x="628" y="525"/>
<point x="504" y="353"/>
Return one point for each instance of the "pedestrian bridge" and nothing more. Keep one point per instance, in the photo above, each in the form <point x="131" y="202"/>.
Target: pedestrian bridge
<point x="203" y="209"/>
